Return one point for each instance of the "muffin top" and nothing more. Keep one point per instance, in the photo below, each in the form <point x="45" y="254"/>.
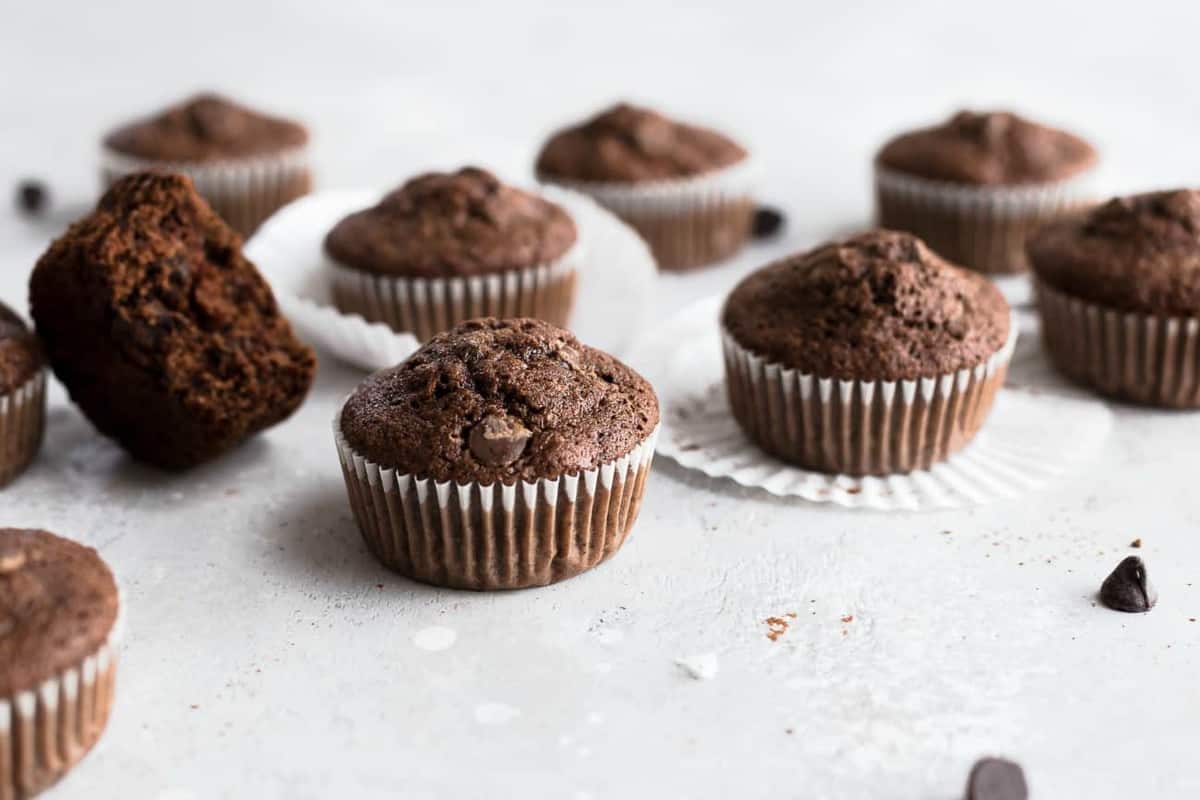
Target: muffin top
<point x="206" y="127"/>
<point x="445" y="224"/>
<point x="20" y="353"/>
<point x="878" y="306"/>
<point x="988" y="149"/>
<point x="629" y="144"/>
<point x="1139" y="253"/>
<point x="58" y="604"/>
<point x="500" y="400"/>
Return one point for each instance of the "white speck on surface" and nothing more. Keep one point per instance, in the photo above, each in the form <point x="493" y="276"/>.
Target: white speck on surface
<point x="702" y="667"/>
<point x="604" y="668"/>
<point x="595" y="718"/>
<point x="583" y="752"/>
<point x="435" y="638"/>
<point x="495" y="713"/>
<point x="565" y="741"/>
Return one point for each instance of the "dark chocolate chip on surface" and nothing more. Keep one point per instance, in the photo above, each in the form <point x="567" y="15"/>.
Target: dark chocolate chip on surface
<point x="32" y="197"/>
<point x="1128" y="588"/>
<point x="996" y="779"/>
<point x="498" y="440"/>
<point x="767" y="222"/>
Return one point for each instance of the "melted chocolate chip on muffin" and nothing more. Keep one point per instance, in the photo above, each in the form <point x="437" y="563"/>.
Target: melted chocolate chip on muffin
<point x="206" y="127"/>
<point x="1139" y="253"/>
<point x="878" y="306"/>
<point x="630" y="144"/>
<point x="164" y="334"/>
<point x="500" y="400"/>
<point x="447" y="224"/>
<point x="20" y="353"/>
<point x="58" y="604"/>
<point x="988" y="149"/>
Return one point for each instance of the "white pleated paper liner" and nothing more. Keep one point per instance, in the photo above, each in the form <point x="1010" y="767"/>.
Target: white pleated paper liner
<point x="1031" y="438"/>
<point x="613" y="300"/>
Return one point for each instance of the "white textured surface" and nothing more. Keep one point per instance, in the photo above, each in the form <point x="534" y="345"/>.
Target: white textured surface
<point x="268" y="656"/>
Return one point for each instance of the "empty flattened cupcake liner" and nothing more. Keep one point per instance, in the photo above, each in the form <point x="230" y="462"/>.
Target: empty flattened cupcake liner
<point x="426" y="306"/>
<point x="687" y="222"/>
<point x="244" y="192"/>
<point x="494" y="536"/>
<point x="1140" y="358"/>
<point x="1014" y="453"/>
<point x="982" y="227"/>
<point x="45" y="730"/>
<point x="860" y="427"/>
<point x="22" y="423"/>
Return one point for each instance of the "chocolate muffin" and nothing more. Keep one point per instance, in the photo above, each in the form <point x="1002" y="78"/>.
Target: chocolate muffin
<point x="22" y="395"/>
<point x="445" y="247"/>
<point x="1119" y="295"/>
<point x="975" y="186"/>
<point x="164" y="334"/>
<point x="245" y="163"/>
<point x="59" y="610"/>
<point x="869" y="356"/>
<point x="502" y="454"/>
<point x="685" y="188"/>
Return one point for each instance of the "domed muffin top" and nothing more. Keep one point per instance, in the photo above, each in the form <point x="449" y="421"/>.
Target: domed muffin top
<point x="20" y="353"/>
<point x="206" y="127"/>
<point x="58" y="605"/>
<point x="445" y="224"/>
<point x="1139" y="253"/>
<point x="500" y="400"/>
<point x="988" y="149"/>
<point x="629" y="144"/>
<point x="878" y="306"/>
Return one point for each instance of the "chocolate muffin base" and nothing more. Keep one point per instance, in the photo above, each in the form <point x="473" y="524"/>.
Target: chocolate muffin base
<point x="22" y="424"/>
<point x="859" y="427"/>
<point x="688" y="223"/>
<point x="494" y="536"/>
<point x="983" y="228"/>
<point x="427" y="306"/>
<point x="243" y="192"/>
<point x="1139" y="358"/>
<point x="44" y="731"/>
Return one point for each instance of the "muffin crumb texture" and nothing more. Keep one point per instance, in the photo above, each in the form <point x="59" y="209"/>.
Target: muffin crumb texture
<point x="207" y="127"/>
<point x="1138" y="253"/>
<point x="629" y="144"/>
<point x="995" y="148"/>
<point x="878" y="306"/>
<point x="164" y="334"/>
<point x="446" y="224"/>
<point x="500" y="400"/>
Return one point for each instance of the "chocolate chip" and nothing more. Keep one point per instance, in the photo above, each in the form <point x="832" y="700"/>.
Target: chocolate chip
<point x="1128" y="588"/>
<point x="498" y="440"/>
<point x="32" y="196"/>
<point x="767" y="222"/>
<point x="997" y="779"/>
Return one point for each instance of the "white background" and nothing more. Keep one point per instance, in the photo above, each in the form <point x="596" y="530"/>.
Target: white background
<point x="263" y="657"/>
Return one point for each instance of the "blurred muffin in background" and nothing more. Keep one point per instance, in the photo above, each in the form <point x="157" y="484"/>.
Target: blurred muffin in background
<point x="974" y="187"/>
<point x="1119" y="295"/>
<point x="22" y="395"/>
<point x="246" y="164"/>
<point x="447" y="247"/>
<point x="684" y="188"/>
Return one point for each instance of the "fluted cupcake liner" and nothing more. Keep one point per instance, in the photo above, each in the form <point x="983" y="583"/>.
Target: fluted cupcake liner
<point x="244" y="192"/>
<point x="860" y="427"/>
<point x="45" y="730"/>
<point x="688" y="222"/>
<point x="426" y="306"/>
<point x="22" y="423"/>
<point x="495" y="536"/>
<point x="981" y="227"/>
<point x="1140" y="358"/>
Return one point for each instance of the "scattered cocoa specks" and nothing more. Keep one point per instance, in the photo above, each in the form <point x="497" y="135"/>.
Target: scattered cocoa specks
<point x="1191" y="619"/>
<point x="194" y="706"/>
<point x="776" y="627"/>
<point x="379" y="586"/>
<point x="791" y="614"/>
<point x="854" y="490"/>
<point x="231" y="492"/>
<point x="789" y="731"/>
<point x="848" y="619"/>
<point x="1136" y="543"/>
